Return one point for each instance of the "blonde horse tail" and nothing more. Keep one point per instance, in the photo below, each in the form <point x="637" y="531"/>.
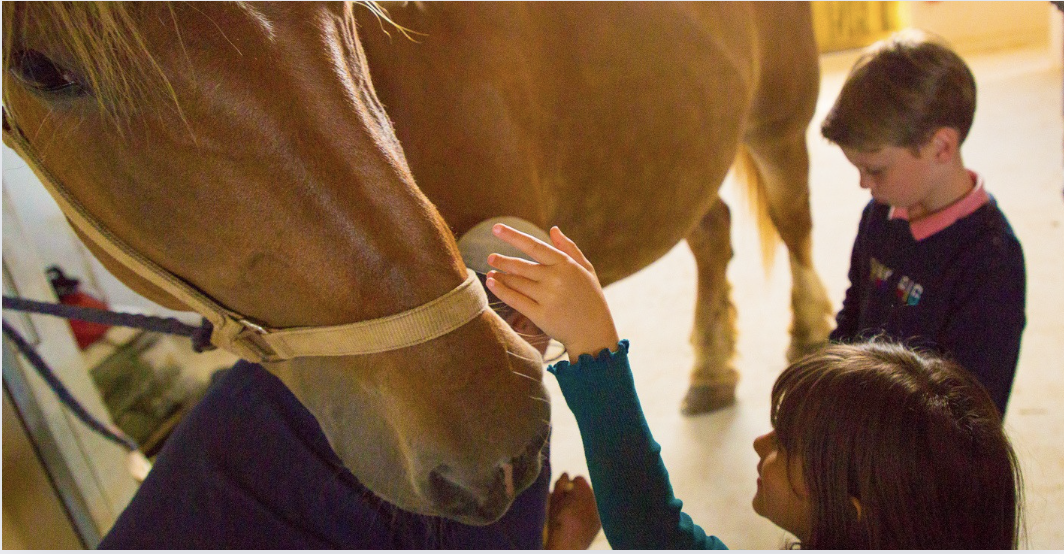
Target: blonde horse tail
<point x="751" y="182"/>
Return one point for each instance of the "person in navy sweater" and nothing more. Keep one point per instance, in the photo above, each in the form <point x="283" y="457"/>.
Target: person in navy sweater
<point x="936" y="264"/>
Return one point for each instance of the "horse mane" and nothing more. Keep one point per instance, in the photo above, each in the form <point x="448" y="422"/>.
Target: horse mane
<point x="108" y="49"/>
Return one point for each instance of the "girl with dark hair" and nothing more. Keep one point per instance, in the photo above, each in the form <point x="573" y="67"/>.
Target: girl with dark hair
<point x="873" y="445"/>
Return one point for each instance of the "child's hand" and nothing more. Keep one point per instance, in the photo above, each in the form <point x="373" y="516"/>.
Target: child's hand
<point x="572" y="516"/>
<point x="560" y="294"/>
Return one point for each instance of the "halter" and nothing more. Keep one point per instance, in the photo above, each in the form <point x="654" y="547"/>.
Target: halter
<point x="249" y="339"/>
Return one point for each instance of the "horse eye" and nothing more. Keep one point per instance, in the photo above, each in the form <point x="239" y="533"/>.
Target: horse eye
<point x="38" y="71"/>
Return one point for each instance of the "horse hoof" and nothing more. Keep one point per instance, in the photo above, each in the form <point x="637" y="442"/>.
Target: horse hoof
<point x="703" y="399"/>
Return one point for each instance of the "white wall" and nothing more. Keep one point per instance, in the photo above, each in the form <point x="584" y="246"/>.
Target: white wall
<point x="56" y="244"/>
<point x="980" y="26"/>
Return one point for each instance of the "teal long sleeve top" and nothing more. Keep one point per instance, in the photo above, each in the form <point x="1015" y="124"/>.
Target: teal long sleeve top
<point x="632" y="489"/>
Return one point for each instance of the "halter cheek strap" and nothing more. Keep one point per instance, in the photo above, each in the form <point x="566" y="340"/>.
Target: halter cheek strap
<point x="258" y="343"/>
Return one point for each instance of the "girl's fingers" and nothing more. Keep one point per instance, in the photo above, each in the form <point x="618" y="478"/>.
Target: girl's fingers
<point x="516" y="266"/>
<point x="537" y="249"/>
<point x="523" y="285"/>
<point x="511" y="297"/>
<point x="557" y="495"/>
<point x="562" y="486"/>
<point x="566" y="245"/>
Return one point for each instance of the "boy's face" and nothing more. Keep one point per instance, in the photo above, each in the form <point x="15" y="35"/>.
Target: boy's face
<point x="895" y="176"/>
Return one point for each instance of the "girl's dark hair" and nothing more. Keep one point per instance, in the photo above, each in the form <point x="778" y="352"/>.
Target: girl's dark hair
<point x="913" y="437"/>
<point x="900" y="92"/>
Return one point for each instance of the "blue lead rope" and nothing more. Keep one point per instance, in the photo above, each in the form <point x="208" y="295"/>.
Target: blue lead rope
<point x="108" y="431"/>
<point x="201" y="340"/>
<point x="200" y="335"/>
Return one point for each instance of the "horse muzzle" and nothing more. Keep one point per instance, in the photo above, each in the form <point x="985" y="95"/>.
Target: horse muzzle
<point x="484" y="501"/>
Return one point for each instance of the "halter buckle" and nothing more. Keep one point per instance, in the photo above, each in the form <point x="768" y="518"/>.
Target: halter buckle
<point x="248" y="324"/>
<point x="253" y="338"/>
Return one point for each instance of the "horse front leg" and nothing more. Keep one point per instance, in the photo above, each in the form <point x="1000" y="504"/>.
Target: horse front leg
<point x="714" y="377"/>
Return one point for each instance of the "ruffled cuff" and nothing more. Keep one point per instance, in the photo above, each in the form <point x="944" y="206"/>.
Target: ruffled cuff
<point x="599" y="386"/>
<point x="588" y="363"/>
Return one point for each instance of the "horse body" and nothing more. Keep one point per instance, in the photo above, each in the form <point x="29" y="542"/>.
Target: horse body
<point x="588" y="116"/>
<point x="617" y="122"/>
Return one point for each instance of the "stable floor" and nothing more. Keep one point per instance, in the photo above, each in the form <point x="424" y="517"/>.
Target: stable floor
<point x="1016" y="145"/>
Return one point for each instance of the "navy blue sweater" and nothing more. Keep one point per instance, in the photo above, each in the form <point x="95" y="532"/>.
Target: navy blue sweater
<point x="249" y="468"/>
<point x="959" y="292"/>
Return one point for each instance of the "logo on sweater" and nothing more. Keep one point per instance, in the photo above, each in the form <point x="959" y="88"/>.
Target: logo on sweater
<point x="879" y="273"/>
<point x="909" y="291"/>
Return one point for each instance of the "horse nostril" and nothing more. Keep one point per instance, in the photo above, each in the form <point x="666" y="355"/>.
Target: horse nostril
<point x="476" y="507"/>
<point x="443" y="489"/>
<point x="526" y="467"/>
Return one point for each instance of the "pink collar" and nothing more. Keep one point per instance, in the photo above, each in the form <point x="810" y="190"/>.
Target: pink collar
<point x="946" y="216"/>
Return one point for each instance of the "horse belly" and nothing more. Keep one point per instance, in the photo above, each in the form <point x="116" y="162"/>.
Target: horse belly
<point x="647" y="129"/>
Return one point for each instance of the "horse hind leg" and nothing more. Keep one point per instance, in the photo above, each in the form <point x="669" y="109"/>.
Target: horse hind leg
<point x="714" y="378"/>
<point x="780" y="166"/>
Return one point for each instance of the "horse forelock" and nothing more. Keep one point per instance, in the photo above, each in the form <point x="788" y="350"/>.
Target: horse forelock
<point x="106" y="46"/>
<point x="102" y="42"/>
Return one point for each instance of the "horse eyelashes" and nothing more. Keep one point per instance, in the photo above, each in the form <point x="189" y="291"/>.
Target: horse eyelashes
<point x="40" y="73"/>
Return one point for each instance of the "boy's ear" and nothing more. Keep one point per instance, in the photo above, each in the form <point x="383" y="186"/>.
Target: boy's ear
<point x="945" y="144"/>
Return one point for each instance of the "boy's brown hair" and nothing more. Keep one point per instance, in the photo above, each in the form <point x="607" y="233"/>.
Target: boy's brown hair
<point x="900" y="92"/>
<point x="914" y="438"/>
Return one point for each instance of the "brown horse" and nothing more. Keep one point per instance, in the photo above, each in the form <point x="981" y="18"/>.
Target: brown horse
<point x="244" y="150"/>
<point x="617" y="122"/>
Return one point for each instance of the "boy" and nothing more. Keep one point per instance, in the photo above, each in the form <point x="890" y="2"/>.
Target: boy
<point x="935" y="263"/>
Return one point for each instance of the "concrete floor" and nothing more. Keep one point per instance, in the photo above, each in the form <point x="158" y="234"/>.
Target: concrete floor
<point x="1016" y="144"/>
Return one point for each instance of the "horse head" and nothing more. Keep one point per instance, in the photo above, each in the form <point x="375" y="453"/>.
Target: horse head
<point x="242" y="150"/>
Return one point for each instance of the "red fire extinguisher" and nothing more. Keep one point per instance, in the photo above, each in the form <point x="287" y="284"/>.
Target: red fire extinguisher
<point x="69" y="292"/>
